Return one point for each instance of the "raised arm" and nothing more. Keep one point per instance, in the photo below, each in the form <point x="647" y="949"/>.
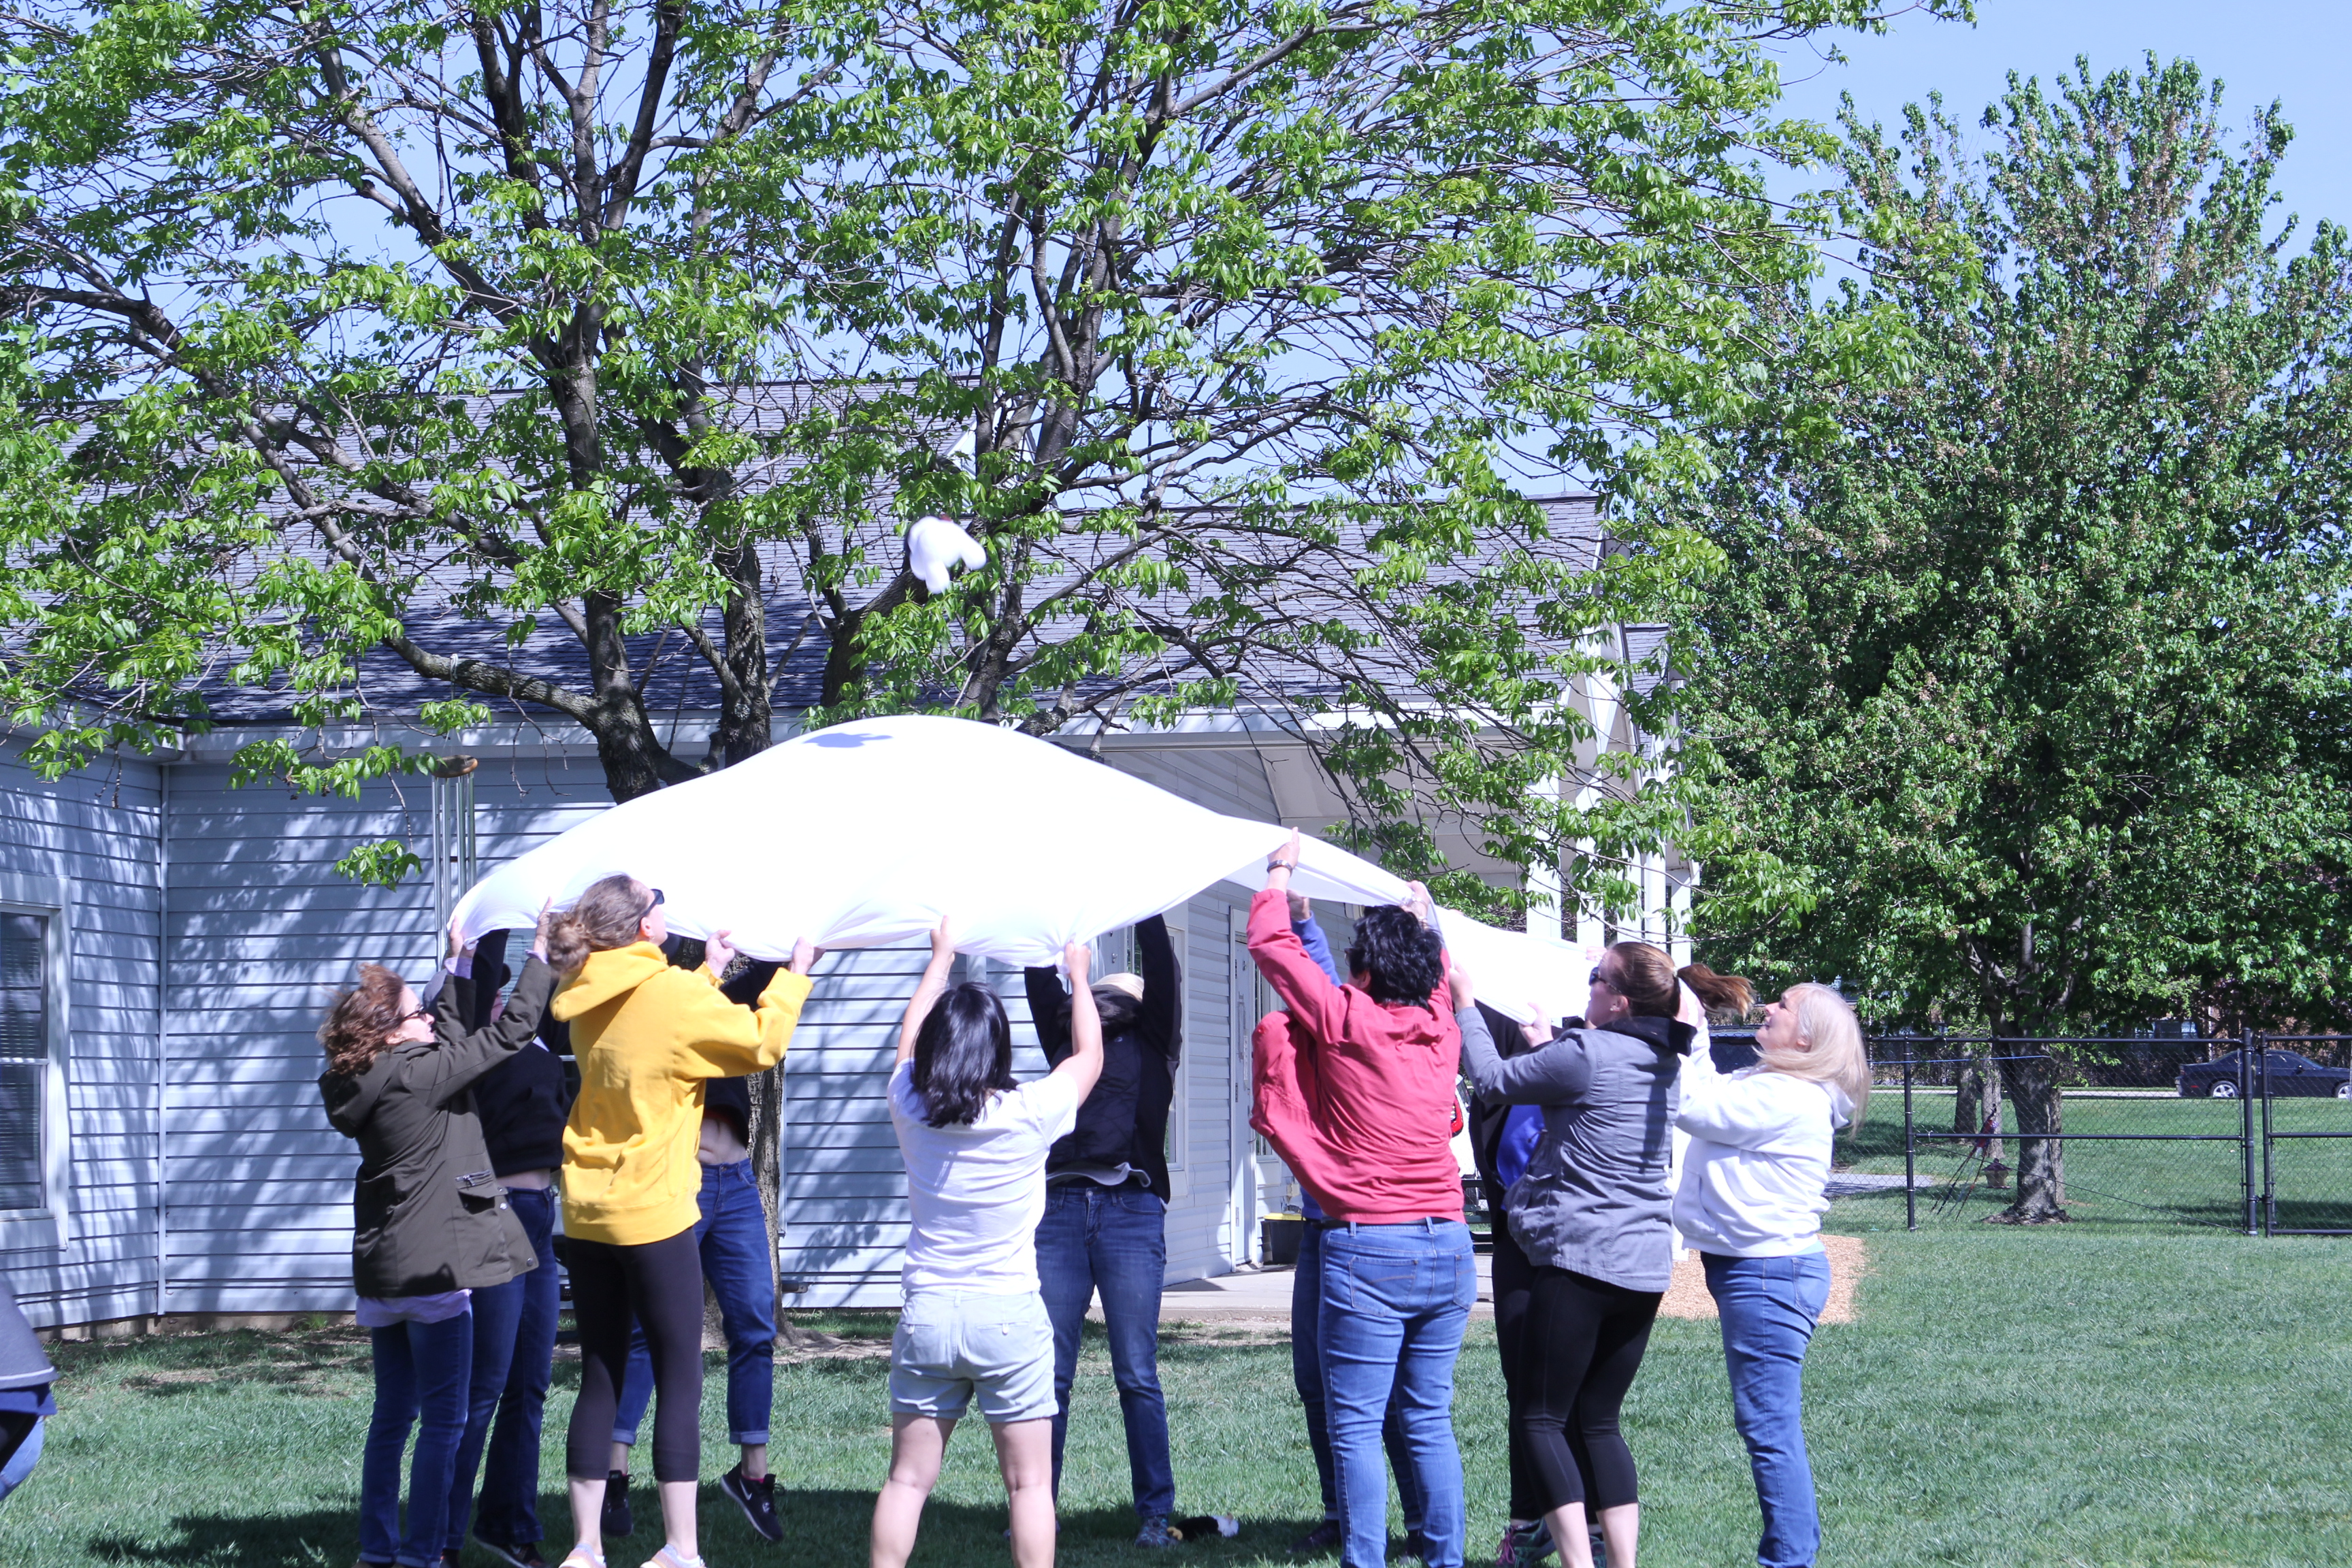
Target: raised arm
<point x="724" y="1041"/>
<point x="1159" y="1016"/>
<point x="1084" y="1065"/>
<point x="1309" y="993"/>
<point x="1552" y="1074"/>
<point x="929" y="990"/>
<point x="462" y="1055"/>
<point x="1310" y="933"/>
<point x="1048" y="1002"/>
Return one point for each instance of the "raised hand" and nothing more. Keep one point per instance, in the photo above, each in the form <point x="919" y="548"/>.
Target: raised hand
<point x="804" y="955"/>
<point x="1457" y="980"/>
<point x="1302" y="907"/>
<point x="539" y="932"/>
<point x="1075" y="957"/>
<point x="718" y="952"/>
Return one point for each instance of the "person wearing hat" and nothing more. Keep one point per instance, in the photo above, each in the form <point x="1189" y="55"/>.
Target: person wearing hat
<point x="1106" y="1222"/>
<point x="24" y="1402"/>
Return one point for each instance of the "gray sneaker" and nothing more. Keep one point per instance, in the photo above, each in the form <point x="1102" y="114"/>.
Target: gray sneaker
<point x="1155" y="1533"/>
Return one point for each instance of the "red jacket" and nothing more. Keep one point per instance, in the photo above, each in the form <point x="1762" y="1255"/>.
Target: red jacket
<point x="1357" y="1096"/>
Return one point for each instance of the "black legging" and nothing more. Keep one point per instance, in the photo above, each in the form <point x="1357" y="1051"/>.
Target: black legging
<point x="658" y="1284"/>
<point x="1515" y="1279"/>
<point x="1581" y="1348"/>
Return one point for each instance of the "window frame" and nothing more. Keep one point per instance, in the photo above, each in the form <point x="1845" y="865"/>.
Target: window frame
<point x="49" y="1222"/>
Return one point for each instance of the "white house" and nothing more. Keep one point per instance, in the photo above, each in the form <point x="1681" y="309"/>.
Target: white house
<point x="166" y="942"/>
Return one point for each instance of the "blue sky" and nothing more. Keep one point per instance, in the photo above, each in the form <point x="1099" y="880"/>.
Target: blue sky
<point x="2292" y="51"/>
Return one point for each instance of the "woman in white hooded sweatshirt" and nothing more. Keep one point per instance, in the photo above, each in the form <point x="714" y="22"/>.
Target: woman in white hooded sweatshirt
<point x="1751" y="1204"/>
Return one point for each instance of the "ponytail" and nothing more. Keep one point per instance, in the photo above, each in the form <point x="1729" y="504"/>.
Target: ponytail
<point x="1726" y="992"/>
<point x="610" y="914"/>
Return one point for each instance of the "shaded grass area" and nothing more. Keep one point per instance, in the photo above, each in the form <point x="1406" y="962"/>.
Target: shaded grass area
<point x="2129" y="1185"/>
<point x="2057" y="1396"/>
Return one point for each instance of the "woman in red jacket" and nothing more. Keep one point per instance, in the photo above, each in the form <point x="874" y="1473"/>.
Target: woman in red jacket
<point x="1355" y="1089"/>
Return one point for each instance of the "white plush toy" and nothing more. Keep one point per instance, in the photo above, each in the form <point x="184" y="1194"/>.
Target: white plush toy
<point x="934" y="544"/>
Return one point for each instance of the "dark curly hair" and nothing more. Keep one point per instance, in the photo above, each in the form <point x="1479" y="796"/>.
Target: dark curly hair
<point x="359" y="1023"/>
<point x="963" y="1055"/>
<point x="1403" y="959"/>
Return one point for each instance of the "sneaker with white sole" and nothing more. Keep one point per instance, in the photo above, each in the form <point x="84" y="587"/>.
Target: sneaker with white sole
<point x="756" y="1499"/>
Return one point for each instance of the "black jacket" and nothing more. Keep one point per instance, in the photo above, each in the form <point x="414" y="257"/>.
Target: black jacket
<point x="1125" y="1120"/>
<point x="427" y="1214"/>
<point x="1486" y="1120"/>
<point x="523" y="1104"/>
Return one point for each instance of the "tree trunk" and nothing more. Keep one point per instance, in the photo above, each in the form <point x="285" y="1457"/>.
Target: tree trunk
<point x="1979" y="1096"/>
<point x="2031" y="1084"/>
<point x="768" y="1165"/>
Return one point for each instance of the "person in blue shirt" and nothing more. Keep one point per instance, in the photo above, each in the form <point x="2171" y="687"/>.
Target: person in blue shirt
<point x="24" y="1402"/>
<point x="1306" y="1348"/>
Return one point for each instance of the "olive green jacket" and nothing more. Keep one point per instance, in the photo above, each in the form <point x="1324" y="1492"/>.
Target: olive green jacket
<point x="426" y="1214"/>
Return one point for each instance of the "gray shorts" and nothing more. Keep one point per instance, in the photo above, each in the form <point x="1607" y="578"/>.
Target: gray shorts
<point x="953" y="1344"/>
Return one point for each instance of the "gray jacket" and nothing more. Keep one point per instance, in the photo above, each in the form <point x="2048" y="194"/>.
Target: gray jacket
<point x="1595" y="1199"/>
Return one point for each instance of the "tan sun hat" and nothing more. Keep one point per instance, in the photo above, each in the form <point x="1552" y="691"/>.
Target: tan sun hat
<point x="1132" y="984"/>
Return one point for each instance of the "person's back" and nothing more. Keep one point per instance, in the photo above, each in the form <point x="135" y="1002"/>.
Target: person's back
<point x="974" y="1326"/>
<point x="1596" y="1196"/>
<point x="975" y="1190"/>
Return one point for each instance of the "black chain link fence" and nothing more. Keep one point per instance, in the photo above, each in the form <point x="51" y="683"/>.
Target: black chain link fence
<point x="2252" y="1134"/>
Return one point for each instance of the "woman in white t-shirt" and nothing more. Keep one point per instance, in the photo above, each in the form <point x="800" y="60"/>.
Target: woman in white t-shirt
<point x="1751" y="1203"/>
<point x="975" y="1142"/>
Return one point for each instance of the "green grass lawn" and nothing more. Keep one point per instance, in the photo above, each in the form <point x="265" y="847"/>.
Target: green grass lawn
<point x="2075" y="1394"/>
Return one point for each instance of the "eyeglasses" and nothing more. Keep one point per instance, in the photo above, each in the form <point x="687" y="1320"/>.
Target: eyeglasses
<point x="420" y="1013"/>
<point x="1597" y="978"/>
<point x="651" y="907"/>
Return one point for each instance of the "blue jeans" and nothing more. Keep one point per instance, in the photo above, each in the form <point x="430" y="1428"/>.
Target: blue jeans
<point x="1306" y="1376"/>
<point x="1396" y="1298"/>
<point x="1114" y="1240"/>
<point x="1768" y="1307"/>
<point x="20" y="1463"/>
<point x="514" y="1350"/>
<point x="732" y="1237"/>
<point x="421" y="1372"/>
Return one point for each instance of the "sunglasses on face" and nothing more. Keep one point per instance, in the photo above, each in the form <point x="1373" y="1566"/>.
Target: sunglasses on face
<point x="420" y="1013"/>
<point x="1597" y="978"/>
<point x="651" y="907"/>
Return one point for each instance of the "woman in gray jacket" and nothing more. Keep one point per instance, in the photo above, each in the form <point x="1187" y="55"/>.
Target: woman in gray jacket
<point x="430" y="1223"/>
<point x="1592" y="1214"/>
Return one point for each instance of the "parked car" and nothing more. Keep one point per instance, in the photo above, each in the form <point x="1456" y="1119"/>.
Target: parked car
<point x="2290" y="1075"/>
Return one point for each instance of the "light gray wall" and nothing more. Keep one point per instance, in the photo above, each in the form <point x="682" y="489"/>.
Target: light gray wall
<point x="96" y="830"/>
<point x="261" y="928"/>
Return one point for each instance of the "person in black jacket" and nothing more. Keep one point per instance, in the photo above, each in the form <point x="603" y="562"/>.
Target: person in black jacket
<point x="521" y="1105"/>
<point x="1106" y="1224"/>
<point x="431" y="1223"/>
<point x="1502" y="1137"/>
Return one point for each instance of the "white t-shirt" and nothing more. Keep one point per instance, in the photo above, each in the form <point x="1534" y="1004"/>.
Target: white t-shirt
<point x="977" y="1192"/>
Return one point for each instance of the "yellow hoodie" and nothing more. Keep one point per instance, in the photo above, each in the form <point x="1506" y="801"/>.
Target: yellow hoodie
<point x="646" y="1036"/>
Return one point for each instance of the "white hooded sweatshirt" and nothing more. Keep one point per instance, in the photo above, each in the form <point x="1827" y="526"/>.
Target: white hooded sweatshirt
<point x="1759" y="1158"/>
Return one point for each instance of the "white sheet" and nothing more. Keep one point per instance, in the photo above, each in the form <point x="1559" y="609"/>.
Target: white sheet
<point x="865" y="834"/>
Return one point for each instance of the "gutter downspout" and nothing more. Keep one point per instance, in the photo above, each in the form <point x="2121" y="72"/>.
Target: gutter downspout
<point x="162" y="1038"/>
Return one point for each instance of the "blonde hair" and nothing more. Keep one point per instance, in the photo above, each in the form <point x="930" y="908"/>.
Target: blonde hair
<point x="608" y="915"/>
<point x="1833" y="1037"/>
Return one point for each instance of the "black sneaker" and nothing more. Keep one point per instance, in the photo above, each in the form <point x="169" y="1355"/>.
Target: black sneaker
<point x="756" y="1499"/>
<point x="1322" y="1538"/>
<point x="616" y="1519"/>
<point x="521" y="1554"/>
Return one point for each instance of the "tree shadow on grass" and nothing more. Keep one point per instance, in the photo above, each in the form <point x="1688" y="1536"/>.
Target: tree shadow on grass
<point x="321" y="1538"/>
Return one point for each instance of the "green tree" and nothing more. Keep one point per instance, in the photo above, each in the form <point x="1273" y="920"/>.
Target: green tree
<point x="2026" y="692"/>
<point x="347" y="328"/>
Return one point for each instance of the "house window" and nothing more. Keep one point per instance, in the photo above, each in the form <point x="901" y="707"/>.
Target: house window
<point x="24" y="1059"/>
<point x="35" y="1171"/>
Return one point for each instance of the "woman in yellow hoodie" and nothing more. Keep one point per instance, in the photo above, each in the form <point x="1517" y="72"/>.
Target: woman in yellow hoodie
<point x="648" y="1036"/>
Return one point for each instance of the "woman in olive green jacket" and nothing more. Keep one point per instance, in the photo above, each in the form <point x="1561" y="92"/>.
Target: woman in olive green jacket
<point x="430" y="1223"/>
